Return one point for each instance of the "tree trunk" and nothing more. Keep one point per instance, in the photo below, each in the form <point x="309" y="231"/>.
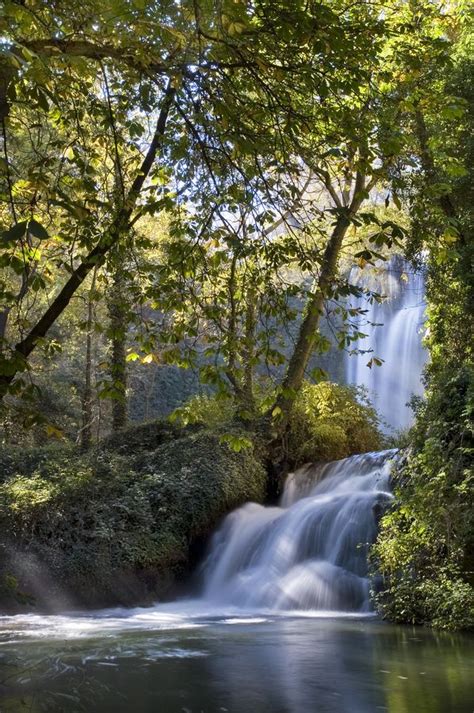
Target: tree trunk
<point x="276" y="420"/>
<point x="309" y="327"/>
<point x="87" y="416"/>
<point x="23" y="349"/>
<point x="118" y="316"/>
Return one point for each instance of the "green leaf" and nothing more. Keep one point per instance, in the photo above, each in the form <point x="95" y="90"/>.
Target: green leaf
<point x="236" y="443"/>
<point x="37" y="230"/>
<point x="15" y="233"/>
<point x="364" y="255"/>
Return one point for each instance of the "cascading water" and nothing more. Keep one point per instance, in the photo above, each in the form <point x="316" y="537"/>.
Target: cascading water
<point x="311" y="552"/>
<point x="397" y="340"/>
<point x="242" y="646"/>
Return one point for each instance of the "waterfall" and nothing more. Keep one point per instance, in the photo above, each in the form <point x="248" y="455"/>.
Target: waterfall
<point x="397" y="340"/>
<point x="310" y="553"/>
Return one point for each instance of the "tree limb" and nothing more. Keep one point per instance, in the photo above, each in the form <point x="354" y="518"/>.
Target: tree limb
<point x="96" y="256"/>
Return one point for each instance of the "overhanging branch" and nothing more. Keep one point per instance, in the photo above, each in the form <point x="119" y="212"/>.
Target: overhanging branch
<point x="121" y="222"/>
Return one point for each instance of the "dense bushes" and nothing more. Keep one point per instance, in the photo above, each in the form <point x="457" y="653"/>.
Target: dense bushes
<point x="425" y="549"/>
<point x="329" y="421"/>
<point x="116" y="525"/>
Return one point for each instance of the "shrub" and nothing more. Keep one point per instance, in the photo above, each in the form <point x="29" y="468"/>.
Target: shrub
<point x="425" y="546"/>
<point x="329" y="421"/>
<point x="212" y="411"/>
<point x="114" y="527"/>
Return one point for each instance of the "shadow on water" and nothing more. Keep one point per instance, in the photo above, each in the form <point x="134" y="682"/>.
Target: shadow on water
<point x="263" y="664"/>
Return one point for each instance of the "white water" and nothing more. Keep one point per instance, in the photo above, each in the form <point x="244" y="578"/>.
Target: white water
<point x="309" y="554"/>
<point x="397" y="340"/>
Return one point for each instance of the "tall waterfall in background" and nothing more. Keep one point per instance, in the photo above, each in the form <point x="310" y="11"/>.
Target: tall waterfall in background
<point x="311" y="552"/>
<point x="398" y="341"/>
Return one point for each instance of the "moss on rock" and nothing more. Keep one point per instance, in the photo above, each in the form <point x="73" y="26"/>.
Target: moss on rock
<point x="115" y="526"/>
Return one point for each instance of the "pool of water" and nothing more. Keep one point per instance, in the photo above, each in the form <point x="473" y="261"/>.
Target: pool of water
<point x="178" y="658"/>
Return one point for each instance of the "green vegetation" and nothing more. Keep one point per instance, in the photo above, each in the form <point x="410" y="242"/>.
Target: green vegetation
<point x="186" y="189"/>
<point x="116" y="525"/>
<point x="145" y="213"/>
<point x="426" y="544"/>
<point x="329" y="422"/>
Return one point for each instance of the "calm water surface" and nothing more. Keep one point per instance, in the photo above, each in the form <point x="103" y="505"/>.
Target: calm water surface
<point x="176" y="659"/>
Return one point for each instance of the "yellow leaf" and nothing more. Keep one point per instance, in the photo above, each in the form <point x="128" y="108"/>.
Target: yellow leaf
<point x="54" y="432"/>
<point x="450" y="236"/>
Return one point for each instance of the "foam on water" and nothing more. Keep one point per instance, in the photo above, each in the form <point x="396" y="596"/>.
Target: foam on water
<point x="309" y="554"/>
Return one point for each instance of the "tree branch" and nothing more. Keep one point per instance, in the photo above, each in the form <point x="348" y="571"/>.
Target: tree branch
<point x="24" y="348"/>
<point x="53" y="47"/>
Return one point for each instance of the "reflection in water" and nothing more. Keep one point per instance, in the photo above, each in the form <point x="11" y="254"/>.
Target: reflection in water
<point x="261" y="663"/>
<point x="425" y="671"/>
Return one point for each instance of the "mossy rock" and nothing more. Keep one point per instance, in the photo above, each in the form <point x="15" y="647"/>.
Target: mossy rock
<point x="117" y="525"/>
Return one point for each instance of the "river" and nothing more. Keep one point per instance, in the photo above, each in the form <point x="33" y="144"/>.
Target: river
<point x="175" y="658"/>
<point x="283" y="624"/>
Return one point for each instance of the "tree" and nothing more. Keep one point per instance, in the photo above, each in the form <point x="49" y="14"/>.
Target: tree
<point x="426" y="543"/>
<point x="248" y="103"/>
<point x="87" y="396"/>
<point x="194" y="72"/>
